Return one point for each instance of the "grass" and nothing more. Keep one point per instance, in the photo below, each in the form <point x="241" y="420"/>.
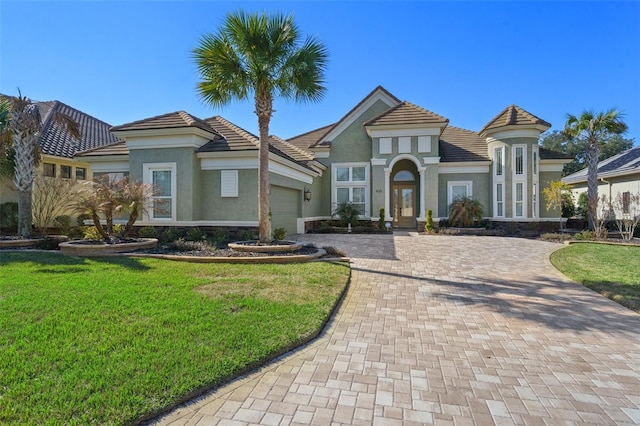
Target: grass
<point x="116" y="340"/>
<point x="611" y="270"/>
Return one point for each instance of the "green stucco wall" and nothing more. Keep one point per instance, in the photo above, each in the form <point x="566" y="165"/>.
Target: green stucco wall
<point x="187" y="175"/>
<point x="480" y="190"/>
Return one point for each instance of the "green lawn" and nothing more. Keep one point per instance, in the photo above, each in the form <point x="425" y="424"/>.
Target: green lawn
<point x="611" y="270"/>
<point x="114" y="340"/>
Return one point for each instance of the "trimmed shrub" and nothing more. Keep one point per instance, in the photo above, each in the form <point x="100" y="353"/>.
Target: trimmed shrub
<point x="63" y="223"/>
<point x="92" y="233"/>
<point x="9" y="216"/>
<point x="195" y="234"/>
<point x="428" y="226"/>
<point x="245" y="235"/>
<point x="148" y="232"/>
<point x="221" y="236"/>
<point x="584" y="235"/>
<point x="279" y="233"/>
<point x="50" y="243"/>
<point x="81" y="218"/>
<point x="333" y="251"/>
<point x="170" y="235"/>
<point x="381" y="220"/>
<point x="551" y="236"/>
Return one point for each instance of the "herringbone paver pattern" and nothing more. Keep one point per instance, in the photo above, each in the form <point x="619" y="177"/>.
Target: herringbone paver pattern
<point x="448" y="331"/>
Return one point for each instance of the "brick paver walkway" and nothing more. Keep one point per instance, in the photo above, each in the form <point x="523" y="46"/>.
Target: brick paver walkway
<point x="448" y="330"/>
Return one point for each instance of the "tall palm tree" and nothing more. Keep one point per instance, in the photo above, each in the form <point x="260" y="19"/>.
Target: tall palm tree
<point x="260" y="56"/>
<point x="594" y="128"/>
<point x="25" y="128"/>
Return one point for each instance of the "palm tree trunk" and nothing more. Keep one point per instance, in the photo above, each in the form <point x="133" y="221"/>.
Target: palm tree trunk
<point x="24" y="174"/>
<point x="593" y="152"/>
<point x="264" y="222"/>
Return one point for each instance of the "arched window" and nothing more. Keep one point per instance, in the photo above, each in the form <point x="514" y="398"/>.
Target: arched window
<point x="404" y="176"/>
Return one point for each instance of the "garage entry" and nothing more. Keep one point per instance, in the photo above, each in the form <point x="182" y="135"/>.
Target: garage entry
<point x="284" y="208"/>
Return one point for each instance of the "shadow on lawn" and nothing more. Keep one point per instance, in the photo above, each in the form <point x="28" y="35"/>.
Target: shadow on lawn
<point x="50" y="259"/>
<point x="554" y="303"/>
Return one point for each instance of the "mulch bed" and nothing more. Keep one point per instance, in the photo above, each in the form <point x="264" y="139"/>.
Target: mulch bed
<point x="305" y="250"/>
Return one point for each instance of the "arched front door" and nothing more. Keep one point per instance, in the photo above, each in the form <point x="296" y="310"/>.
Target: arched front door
<point x="403" y="195"/>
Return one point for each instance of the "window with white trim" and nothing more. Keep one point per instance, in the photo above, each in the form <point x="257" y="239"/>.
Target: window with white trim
<point x="519" y="160"/>
<point x="162" y="177"/>
<point x="458" y="189"/>
<point x="228" y="183"/>
<point x="518" y="199"/>
<point x="534" y="161"/>
<point x="498" y="161"/>
<point x="350" y="183"/>
<point x="499" y="197"/>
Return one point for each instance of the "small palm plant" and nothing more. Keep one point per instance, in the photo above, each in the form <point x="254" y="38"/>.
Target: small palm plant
<point x="465" y="212"/>
<point x="107" y="198"/>
<point x="348" y="213"/>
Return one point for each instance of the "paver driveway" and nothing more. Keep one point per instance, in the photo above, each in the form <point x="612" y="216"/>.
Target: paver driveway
<point x="448" y="330"/>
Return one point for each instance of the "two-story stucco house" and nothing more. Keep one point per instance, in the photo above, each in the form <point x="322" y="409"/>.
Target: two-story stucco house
<point x="384" y="153"/>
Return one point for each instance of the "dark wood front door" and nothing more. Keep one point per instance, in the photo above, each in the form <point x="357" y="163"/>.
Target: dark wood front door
<point x="404" y="206"/>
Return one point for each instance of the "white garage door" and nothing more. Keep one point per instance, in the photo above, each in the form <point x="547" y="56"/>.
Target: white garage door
<point x="284" y="208"/>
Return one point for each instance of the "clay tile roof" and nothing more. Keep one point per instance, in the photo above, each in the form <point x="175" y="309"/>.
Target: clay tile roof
<point x="235" y="138"/>
<point x="117" y="148"/>
<point x="513" y="115"/>
<point x="406" y="113"/>
<point x="296" y="153"/>
<point x="458" y="144"/>
<point x="309" y="139"/>
<point x="232" y="137"/>
<point x="172" y="120"/>
<point x="55" y="140"/>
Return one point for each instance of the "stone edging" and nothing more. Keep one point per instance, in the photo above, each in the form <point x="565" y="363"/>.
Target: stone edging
<point x="92" y="250"/>
<point x="222" y="259"/>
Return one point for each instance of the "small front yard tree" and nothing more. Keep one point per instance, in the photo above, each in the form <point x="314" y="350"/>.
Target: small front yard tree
<point x="106" y="198"/>
<point x="260" y="56"/>
<point x="556" y="195"/>
<point x="626" y="207"/>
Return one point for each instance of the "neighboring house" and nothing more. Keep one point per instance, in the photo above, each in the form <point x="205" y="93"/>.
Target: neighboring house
<point x="58" y="148"/>
<point x="384" y="153"/>
<point x="617" y="176"/>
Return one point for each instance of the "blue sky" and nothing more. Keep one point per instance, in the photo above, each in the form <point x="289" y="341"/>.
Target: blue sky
<point x="121" y="61"/>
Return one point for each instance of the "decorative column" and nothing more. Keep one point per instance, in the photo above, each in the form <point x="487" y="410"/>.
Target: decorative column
<point x="423" y="193"/>
<point x="387" y="190"/>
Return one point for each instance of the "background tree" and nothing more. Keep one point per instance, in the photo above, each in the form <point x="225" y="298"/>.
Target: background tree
<point x="25" y="128"/>
<point x="577" y="147"/>
<point x="260" y="56"/>
<point x="594" y="128"/>
<point x="6" y="152"/>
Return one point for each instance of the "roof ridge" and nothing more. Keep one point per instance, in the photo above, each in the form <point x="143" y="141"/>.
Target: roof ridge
<point x="83" y="113"/>
<point x="311" y="131"/>
<point x="360" y="103"/>
<point x="239" y="130"/>
<point x="48" y="117"/>
<point x="449" y="126"/>
<point x="294" y="147"/>
<point x="99" y="147"/>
